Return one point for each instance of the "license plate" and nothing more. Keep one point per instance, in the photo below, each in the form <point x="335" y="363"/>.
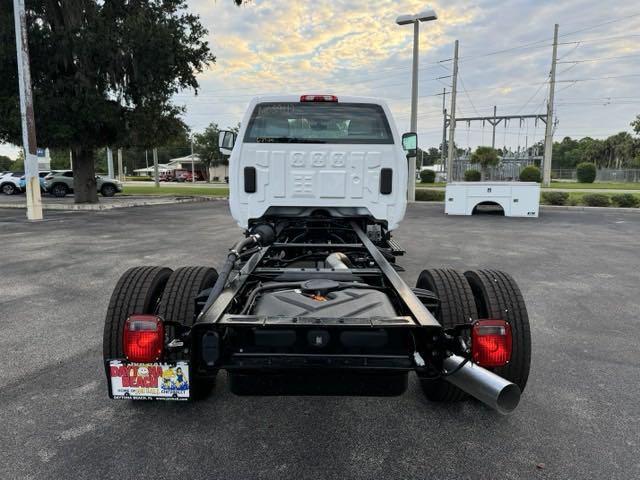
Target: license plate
<point x="149" y="381"/>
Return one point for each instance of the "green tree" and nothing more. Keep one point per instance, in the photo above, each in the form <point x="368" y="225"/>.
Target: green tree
<point x="621" y="148"/>
<point x="5" y="163"/>
<point x="636" y="125"/>
<point x="59" y="159"/>
<point x="206" y="146"/>
<point x="18" y="164"/>
<point x="586" y="172"/>
<point x="530" y="173"/>
<point x="429" y="157"/>
<point x="103" y="73"/>
<point x="472" y="176"/>
<point x="485" y="157"/>
<point x="427" y="176"/>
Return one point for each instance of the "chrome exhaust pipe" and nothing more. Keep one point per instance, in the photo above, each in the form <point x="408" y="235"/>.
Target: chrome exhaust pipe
<point x="338" y="261"/>
<point x="489" y="388"/>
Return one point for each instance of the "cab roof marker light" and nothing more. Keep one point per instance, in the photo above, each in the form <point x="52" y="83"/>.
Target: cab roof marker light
<point x="318" y="98"/>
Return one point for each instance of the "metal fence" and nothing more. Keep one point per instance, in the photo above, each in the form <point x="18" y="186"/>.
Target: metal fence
<point x="602" y="175"/>
<point x="508" y="170"/>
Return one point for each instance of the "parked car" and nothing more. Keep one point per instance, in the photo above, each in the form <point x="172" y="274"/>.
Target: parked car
<point x="188" y="177"/>
<point x="10" y="182"/>
<point x="60" y="184"/>
<point x="41" y="175"/>
<point x="166" y="177"/>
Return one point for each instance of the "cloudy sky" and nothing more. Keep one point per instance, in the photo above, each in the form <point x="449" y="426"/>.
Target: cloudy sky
<point x="354" y="47"/>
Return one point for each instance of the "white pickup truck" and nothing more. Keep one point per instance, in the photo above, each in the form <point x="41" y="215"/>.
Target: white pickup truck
<point x="294" y="154"/>
<point x="310" y="300"/>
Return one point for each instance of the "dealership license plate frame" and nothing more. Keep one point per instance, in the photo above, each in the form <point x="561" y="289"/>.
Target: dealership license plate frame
<point x="144" y="387"/>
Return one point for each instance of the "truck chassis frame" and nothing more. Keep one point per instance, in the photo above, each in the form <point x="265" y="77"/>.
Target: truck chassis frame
<point x="224" y="335"/>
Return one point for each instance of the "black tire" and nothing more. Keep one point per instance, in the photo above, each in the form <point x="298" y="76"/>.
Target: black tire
<point x="178" y="304"/>
<point x="9" y="188"/>
<point x="137" y="291"/>
<point x="498" y="297"/>
<point x="108" y="190"/>
<point x="178" y="301"/>
<point x="59" y="190"/>
<point x="457" y="306"/>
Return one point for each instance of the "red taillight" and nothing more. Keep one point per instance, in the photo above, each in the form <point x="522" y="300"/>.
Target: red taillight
<point x="318" y="98"/>
<point x="143" y="339"/>
<point x="491" y="343"/>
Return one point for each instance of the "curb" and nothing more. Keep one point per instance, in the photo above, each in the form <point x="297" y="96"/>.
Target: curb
<point x="580" y="208"/>
<point x="102" y="207"/>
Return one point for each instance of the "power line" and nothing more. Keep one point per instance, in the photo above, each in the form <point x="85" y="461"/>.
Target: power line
<point x="469" y="58"/>
<point x="597" y="25"/>
<point x="605" y="97"/>
<point x="602" y="39"/>
<point x="601" y="59"/>
<point x="611" y="77"/>
<point x="464" y="89"/>
<point x="536" y="44"/>
<point x="533" y="96"/>
<point x="578" y="43"/>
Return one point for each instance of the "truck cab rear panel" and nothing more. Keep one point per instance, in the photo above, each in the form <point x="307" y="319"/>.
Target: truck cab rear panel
<point x="359" y="167"/>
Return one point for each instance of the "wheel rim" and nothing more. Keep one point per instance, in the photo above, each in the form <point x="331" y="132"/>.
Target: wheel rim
<point x="7" y="189"/>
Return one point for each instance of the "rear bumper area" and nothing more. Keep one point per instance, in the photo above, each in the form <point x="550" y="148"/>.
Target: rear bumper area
<point x="279" y="361"/>
<point x="327" y="382"/>
<point x="258" y="344"/>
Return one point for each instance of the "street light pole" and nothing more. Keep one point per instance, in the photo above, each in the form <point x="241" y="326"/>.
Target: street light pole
<point x="425" y="16"/>
<point x="414" y="109"/>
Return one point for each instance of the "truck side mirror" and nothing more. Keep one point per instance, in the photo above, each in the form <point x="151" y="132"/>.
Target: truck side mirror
<point x="410" y="144"/>
<point x="226" y="141"/>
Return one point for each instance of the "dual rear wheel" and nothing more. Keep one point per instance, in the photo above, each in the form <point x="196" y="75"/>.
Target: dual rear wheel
<point x="464" y="298"/>
<point x="157" y="291"/>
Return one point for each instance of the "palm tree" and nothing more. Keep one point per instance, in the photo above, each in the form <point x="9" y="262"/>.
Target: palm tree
<point x="485" y="157"/>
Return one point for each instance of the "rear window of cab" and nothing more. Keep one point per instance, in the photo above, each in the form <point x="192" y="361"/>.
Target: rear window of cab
<point x="318" y="122"/>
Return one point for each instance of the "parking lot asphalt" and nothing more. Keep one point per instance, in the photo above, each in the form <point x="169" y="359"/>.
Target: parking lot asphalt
<point x="579" y="417"/>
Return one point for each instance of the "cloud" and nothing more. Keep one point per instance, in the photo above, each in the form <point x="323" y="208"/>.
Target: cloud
<point x="355" y="47"/>
<point x="289" y="42"/>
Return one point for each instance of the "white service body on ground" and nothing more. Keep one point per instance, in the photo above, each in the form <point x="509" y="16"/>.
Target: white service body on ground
<point x="517" y="199"/>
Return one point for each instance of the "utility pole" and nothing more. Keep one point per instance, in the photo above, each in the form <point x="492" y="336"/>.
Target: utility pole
<point x="155" y="167"/>
<point x="452" y="115"/>
<point x="34" y="201"/>
<point x="493" y="124"/>
<point x="444" y="128"/>
<point x="193" y="173"/>
<point x="548" y="135"/>
<point x="110" y="163"/>
<point x="120" y="172"/>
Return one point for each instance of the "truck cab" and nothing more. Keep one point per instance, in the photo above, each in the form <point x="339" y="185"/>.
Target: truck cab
<point x="296" y="154"/>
